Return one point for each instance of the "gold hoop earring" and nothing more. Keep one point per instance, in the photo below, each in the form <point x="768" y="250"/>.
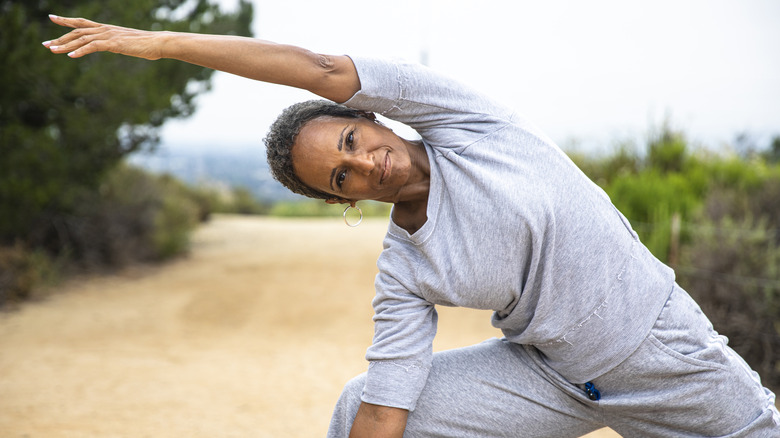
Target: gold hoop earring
<point x="359" y="220"/>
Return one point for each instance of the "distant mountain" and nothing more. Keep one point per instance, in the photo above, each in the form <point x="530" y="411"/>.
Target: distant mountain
<point x="241" y="167"/>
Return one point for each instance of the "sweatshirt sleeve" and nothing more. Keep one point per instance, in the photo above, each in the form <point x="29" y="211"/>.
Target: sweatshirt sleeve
<point x="400" y="355"/>
<point x="445" y="112"/>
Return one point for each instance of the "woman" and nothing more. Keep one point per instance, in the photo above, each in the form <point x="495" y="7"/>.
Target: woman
<point x="487" y="213"/>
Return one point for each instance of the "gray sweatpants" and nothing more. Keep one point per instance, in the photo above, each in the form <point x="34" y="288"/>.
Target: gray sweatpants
<point x="683" y="380"/>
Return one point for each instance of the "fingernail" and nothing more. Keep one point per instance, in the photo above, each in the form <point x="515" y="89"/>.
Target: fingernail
<point x="71" y="54"/>
<point x="46" y="43"/>
<point x="52" y="16"/>
<point x="54" y="47"/>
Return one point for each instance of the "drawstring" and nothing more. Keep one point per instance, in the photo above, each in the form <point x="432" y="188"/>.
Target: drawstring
<point x="592" y="392"/>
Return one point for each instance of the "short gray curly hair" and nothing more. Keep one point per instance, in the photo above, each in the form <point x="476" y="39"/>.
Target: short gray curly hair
<point x="282" y="134"/>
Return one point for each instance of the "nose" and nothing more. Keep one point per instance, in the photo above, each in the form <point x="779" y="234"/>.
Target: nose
<point x="362" y="162"/>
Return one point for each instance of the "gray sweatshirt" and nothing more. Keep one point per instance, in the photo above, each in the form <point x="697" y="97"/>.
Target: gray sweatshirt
<point x="513" y="226"/>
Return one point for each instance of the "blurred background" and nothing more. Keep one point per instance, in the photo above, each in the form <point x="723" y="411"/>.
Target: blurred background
<point x="672" y="107"/>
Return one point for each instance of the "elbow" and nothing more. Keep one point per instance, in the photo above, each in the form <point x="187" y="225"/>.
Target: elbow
<point x="337" y="78"/>
<point x="326" y="63"/>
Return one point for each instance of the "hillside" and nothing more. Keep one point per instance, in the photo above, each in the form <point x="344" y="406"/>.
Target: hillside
<point x="235" y="167"/>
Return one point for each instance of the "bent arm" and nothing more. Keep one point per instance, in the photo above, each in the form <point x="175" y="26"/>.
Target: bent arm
<point x="378" y="422"/>
<point x="332" y="77"/>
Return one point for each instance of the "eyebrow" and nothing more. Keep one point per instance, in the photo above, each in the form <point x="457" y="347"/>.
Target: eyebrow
<point x="339" y="145"/>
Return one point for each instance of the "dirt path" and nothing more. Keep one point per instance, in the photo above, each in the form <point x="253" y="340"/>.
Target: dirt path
<point x="252" y="335"/>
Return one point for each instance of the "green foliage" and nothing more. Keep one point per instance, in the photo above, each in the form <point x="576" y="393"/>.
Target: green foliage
<point x="739" y="174"/>
<point x="241" y="201"/>
<point x="649" y="199"/>
<point x="603" y="171"/>
<point x="667" y="152"/>
<point x="64" y="123"/>
<point x="21" y="271"/>
<point x="732" y="268"/>
<point x="772" y="155"/>
<point x="179" y="212"/>
<point x="133" y="216"/>
<point x="729" y="242"/>
<point x="650" y="190"/>
<point x="315" y="208"/>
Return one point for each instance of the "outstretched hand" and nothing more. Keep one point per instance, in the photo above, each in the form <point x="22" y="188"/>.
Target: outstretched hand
<point x="90" y="37"/>
<point x="332" y="77"/>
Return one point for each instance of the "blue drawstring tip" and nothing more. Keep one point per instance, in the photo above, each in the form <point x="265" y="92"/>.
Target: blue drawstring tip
<point x="592" y="392"/>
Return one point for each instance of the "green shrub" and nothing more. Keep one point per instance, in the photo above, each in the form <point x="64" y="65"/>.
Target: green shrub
<point x="306" y="208"/>
<point x="729" y="243"/>
<point x="668" y="151"/>
<point x="240" y="200"/>
<point x="318" y="208"/>
<point x="622" y="162"/>
<point x="204" y="199"/>
<point x="772" y="154"/>
<point x="135" y="216"/>
<point x="22" y="271"/>
<point x="732" y="268"/>
<point x="731" y="264"/>
<point x="17" y="275"/>
<point x="649" y="200"/>
<point x="177" y="215"/>
<point x="739" y="174"/>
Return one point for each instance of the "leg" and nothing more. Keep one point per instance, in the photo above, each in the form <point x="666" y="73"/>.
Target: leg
<point x="684" y="379"/>
<point x="492" y="389"/>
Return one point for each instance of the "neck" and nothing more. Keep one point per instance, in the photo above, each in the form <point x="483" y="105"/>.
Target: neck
<point x="416" y="189"/>
<point x="410" y="211"/>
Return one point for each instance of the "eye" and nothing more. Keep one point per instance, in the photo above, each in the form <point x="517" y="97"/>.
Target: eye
<point x="350" y="140"/>
<point x="340" y="178"/>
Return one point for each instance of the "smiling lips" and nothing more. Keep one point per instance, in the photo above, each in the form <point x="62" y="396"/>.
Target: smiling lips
<point x="385" y="169"/>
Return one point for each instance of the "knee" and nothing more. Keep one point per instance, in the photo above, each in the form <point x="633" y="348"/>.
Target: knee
<point x="353" y="390"/>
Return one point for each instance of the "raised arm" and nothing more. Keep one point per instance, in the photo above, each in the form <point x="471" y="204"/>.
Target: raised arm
<point x="332" y="77"/>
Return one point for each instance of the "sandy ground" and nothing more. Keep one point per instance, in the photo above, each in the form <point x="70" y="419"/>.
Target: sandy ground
<point x="252" y="335"/>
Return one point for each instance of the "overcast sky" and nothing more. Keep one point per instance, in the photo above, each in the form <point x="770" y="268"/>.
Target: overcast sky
<point x="590" y="73"/>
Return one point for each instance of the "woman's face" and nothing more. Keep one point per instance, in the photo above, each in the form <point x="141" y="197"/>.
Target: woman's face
<point x="352" y="159"/>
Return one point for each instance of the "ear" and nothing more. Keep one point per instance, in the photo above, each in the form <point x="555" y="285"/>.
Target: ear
<point x="369" y="115"/>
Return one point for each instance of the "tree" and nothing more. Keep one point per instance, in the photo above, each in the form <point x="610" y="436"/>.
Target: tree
<point x="64" y="123"/>
<point x="667" y="150"/>
<point x="772" y="155"/>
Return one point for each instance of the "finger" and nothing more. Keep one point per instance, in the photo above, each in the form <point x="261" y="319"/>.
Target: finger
<point x="75" y="39"/>
<point x="81" y="27"/>
<point x="80" y="48"/>
<point x="72" y="22"/>
<point x="95" y="46"/>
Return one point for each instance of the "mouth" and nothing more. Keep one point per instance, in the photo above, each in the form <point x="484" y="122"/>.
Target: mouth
<point x="385" y="169"/>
